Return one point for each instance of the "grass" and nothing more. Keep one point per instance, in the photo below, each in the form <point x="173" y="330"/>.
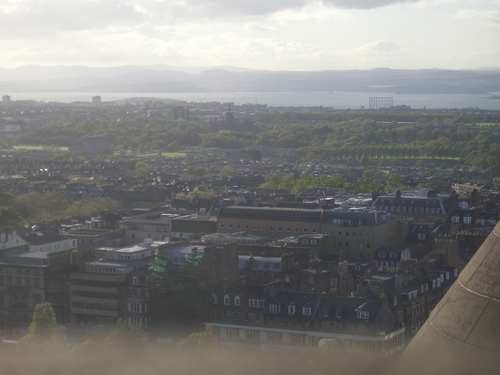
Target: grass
<point x="39" y="148"/>
<point x="173" y="154"/>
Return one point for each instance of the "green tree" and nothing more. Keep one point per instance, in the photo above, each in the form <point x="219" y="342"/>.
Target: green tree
<point x="196" y="171"/>
<point x="394" y="181"/>
<point x="44" y="332"/>
<point x="227" y="171"/>
<point x="199" y="340"/>
<point x="9" y="217"/>
<point x="44" y="324"/>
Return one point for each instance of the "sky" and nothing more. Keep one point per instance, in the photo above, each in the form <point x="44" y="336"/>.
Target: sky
<point x="255" y="34"/>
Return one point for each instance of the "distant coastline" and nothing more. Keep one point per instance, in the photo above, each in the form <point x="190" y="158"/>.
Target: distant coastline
<point x="328" y="99"/>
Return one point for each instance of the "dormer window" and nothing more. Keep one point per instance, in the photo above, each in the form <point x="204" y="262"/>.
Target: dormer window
<point x="363" y="314"/>
<point x="307" y="310"/>
<point x="291" y="310"/>
<point x="338" y="313"/>
<point x="274" y="308"/>
<point x="237" y="301"/>
<point x="227" y="300"/>
<point x="215" y="300"/>
<point x="421" y="236"/>
<point x="326" y="313"/>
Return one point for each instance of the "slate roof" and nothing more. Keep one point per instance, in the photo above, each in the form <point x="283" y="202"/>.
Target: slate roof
<point x="265" y="213"/>
<point x="44" y="237"/>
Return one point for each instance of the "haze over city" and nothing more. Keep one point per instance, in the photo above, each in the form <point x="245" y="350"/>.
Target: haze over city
<point x="273" y="35"/>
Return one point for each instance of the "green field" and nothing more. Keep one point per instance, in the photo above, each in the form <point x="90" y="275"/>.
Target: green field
<point x="39" y="148"/>
<point x="173" y="154"/>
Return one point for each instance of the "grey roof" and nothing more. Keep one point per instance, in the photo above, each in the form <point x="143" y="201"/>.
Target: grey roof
<point x="24" y="258"/>
<point x="40" y="238"/>
<point x="366" y="216"/>
<point x="266" y="213"/>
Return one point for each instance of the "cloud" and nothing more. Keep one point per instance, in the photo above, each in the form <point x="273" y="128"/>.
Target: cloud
<point x="489" y="16"/>
<point x="38" y="18"/>
<point x="379" y="47"/>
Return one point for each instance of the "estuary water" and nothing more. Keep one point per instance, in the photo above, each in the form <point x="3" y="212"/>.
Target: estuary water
<point x="335" y="100"/>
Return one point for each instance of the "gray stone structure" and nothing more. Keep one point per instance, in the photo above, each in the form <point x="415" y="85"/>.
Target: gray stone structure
<point x="462" y="335"/>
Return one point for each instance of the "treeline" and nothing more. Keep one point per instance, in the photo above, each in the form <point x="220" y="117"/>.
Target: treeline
<point x="363" y="136"/>
<point x="371" y="181"/>
<point x="35" y="207"/>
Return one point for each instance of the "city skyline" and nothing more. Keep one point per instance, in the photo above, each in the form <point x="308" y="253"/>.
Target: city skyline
<point x="291" y="35"/>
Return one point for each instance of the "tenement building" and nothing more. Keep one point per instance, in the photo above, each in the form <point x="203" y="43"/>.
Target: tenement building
<point x="359" y="231"/>
<point x="272" y="222"/>
<point x="248" y="316"/>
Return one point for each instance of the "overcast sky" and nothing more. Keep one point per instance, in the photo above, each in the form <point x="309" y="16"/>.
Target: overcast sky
<point x="258" y="34"/>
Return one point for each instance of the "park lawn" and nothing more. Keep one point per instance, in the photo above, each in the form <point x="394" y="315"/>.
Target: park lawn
<point x="174" y="154"/>
<point x="39" y="148"/>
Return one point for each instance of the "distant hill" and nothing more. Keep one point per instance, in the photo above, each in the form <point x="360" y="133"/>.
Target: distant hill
<point x="159" y="79"/>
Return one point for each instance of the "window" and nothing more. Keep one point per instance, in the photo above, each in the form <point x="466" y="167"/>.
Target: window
<point x="298" y="339"/>
<point x="256" y="303"/>
<point x="238" y="226"/>
<point x="221" y="225"/>
<point x="273" y="308"/>
<point x="227" y="300"/>
<point x="275" y="337"/>
<point x="232" y="333"/>
<point x="279" y="229"/>
<point x="307" y="310"/>
<point x="271" y="229"/>
<point x="224" y="315"/>
<point x="252" y="335"/>
<point x="291" y="310"/>
<point x="237" y="301"/>
<point x="235" y="316"/>
<point x="393" y="255"/>
<point x="288" y="229"/>
<point x="421" y="236"/>
<point x="363" y="314"/>
<point x="215" y="299"/>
